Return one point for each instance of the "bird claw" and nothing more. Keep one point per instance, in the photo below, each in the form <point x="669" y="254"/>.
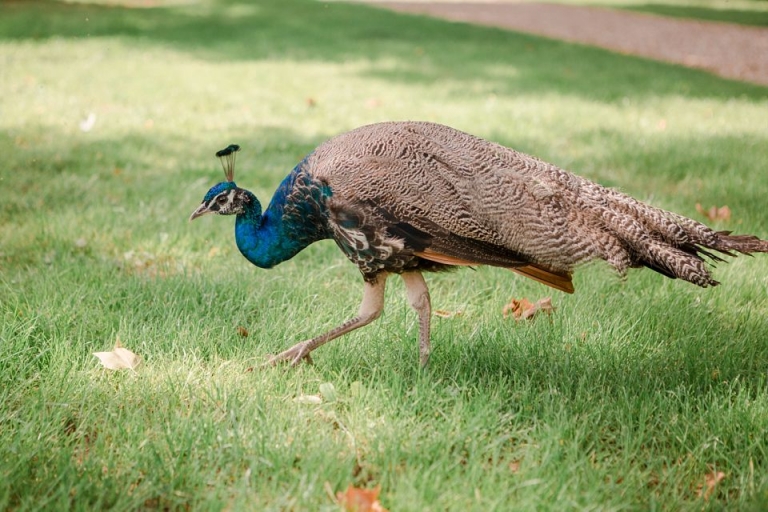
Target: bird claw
<point x="295" y="355"/>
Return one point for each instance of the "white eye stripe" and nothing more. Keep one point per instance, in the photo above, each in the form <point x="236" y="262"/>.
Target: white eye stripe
<point x="223" y="199"/>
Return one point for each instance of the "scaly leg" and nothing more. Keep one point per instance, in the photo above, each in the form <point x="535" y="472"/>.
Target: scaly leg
<point x="370" y="309"/>
<point x="418" y="296"/>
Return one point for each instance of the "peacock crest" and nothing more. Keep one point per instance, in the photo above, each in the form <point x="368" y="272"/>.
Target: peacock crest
<point x="228" y="155"/>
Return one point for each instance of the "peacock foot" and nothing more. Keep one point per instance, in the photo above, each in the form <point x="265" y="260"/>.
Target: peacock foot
<point x="295" y="355"/>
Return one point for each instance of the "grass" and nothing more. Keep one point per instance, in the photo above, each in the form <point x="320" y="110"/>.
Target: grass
<point x="627" y="399"/>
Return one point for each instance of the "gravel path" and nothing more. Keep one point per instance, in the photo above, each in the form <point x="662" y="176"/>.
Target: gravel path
<point x="729" y="50"/>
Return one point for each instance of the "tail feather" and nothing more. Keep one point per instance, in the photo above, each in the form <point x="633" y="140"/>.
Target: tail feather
<point x="666" y="242"/>
<point x="676" y="262"/>
<point x="744" y="244"/>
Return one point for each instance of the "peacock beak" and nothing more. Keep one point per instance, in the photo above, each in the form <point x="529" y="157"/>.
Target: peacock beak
<point x="201" y="210"/>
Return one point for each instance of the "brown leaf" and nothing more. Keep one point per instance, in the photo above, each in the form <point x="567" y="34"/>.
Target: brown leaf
<point x="360" y="500"/>
<point x="120" y="357"/>
<point x="524" y="309"/>
<point x="516" y="308"/>
<point x="242" y="331"/>
<point x="308" y="399"/>
<point x="714" y="213"/>
<point x="710" y="482"/>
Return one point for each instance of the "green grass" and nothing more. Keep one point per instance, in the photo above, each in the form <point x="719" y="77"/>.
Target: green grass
<point x="627" y="399"/>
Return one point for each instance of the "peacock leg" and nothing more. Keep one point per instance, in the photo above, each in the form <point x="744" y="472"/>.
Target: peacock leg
<point x="370" y="309"/>
<point x="418" y="296"/>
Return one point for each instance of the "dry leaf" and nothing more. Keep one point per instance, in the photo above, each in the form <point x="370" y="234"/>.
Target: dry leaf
<point x="242" y="331"/>
<point x="710" y="482"/>
<point x="308" y="399"/>
<point x="360" y="500"/>
<point x="86" y="124"/>
<point x="516" y="308"/>
<point x="447" y="314"/>
<point x="120" y="357"/>
<point x="524" y="309"/>
<point x="714" y="213"/>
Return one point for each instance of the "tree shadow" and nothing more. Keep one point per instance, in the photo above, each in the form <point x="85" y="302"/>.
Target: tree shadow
<point x="402" y="48"/>
<point x="66" y="173"/>
<point x="699" y="350"/>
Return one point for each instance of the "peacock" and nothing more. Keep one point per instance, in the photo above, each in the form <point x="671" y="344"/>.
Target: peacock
<point x="412" y="197"/>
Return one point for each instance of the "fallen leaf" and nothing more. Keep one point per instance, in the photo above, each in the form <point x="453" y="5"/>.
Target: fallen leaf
<point x="524" y="309"/>
<point x="360" y="500"/>
<point x="442" y="313"/>
<point x="516" y="308"/>
<point x="242" y="331"/>
<point x="86" y="124"/>
<point x="514" y="466"/>
<point x="308" y="399"/>
<point x="710" y="482"/>
<point x="120" y="357"/>
<point x="714" y="213"/>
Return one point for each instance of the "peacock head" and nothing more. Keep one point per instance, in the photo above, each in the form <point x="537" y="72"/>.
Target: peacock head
<point x="225" y="198"/>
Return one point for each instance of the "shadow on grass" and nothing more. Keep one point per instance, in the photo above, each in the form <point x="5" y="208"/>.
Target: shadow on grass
<point x="60" y="172"/>
<point x="423" y="50"/>
<point x="755" y="18"/>
<point x="698" y="350"/>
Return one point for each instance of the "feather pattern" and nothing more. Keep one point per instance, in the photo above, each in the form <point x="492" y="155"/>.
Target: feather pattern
<point x="479" y="202"/>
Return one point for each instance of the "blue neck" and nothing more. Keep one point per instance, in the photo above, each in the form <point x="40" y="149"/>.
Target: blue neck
<point x="283" y="230"/>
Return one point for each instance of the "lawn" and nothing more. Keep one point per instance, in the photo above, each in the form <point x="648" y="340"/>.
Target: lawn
<point x="636" y="394"/>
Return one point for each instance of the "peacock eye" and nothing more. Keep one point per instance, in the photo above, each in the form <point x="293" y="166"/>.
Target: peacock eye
<point x="221" y="199"/>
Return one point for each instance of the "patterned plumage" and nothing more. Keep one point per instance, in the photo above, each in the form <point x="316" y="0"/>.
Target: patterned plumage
<point x="409" y="197"/>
